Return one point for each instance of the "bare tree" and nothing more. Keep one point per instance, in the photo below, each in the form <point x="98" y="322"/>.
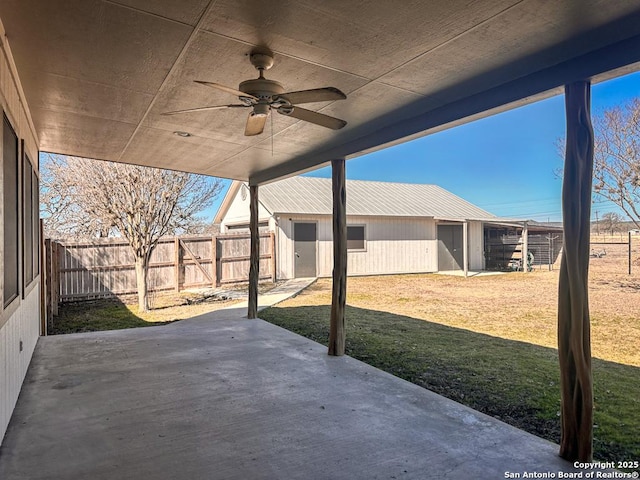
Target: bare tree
<point x="611" y="222"/>
<point x="617" y="157"/>
<point x="91" y="198"/>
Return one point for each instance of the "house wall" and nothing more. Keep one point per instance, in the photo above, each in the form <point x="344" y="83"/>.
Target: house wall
<point x="22" y="325"/>
<point x="392" y="245"/>
<point x="238" y="212"/>
<point x="20" y="317"/>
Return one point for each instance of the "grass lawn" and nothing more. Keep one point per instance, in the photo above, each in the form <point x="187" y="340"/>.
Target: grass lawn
<point x="489" y="343"/>
<point x="114" y="314"/>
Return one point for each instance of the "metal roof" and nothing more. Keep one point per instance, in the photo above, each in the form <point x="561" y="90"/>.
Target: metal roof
<point x="531" y="224"/>
<point x="310" y="195"/>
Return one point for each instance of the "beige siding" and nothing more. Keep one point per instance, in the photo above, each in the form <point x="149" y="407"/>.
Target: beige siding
<point x="392" y="245"/>
<point x="476" y="246"/>
<point x="23" y="326"/>
<point x="284" y="248"/>
<point x="20" y="321"/>
<point x="238" y="212"/>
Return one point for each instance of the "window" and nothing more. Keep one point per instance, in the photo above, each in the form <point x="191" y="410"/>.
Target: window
<point x="35" y="198"/>
<point x="355" y="237"/>
<point x="27" y="219"/>
<point x="10" y="210"/>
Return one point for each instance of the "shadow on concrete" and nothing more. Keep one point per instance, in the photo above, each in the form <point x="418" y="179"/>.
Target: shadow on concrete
<point x="513" y="381"/>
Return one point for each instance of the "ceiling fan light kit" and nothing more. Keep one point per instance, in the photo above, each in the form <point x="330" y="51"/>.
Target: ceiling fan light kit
<point x="263" y="95"/>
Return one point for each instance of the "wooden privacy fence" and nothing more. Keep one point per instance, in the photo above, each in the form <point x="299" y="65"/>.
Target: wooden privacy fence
<point x="105" y="268"/>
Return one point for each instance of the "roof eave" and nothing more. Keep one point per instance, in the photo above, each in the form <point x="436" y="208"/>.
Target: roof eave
<point x="227" y="200"/>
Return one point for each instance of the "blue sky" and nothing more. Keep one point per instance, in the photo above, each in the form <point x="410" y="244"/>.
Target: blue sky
<point x="504" y="163"/>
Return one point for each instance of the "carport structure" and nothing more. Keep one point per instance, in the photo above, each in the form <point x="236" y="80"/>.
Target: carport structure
<point x="93" y="77"/>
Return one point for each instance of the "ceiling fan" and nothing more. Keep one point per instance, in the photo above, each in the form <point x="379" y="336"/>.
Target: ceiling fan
<point x="262" y="95"/>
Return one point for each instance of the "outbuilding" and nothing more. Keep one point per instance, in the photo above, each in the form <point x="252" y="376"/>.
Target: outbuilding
<point x="391" y="227"/>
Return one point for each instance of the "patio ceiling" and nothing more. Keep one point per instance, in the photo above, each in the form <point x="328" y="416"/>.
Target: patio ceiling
<point x="97" y="74"/>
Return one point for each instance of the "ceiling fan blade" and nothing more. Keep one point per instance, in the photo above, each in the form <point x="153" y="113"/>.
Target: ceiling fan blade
<point x="255" y="124"/>
<point x="313" y="117"/>
<point x="204" y="109"/>
<point x="315" y="95"/>
<point x="224" y="88"/>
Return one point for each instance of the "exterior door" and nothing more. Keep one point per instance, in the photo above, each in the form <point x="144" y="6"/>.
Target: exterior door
<point x="304" y="244"/>
<point x="450" y="254"/>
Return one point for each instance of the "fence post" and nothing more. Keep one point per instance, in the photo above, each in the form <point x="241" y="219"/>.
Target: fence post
<point x="47" y="279"/>
<point x="629" y="253"/>
<point x="214" y="264"/>
<point x="273" y="257"/>
<point x="43" y="276"/>
<point x="55" y="279"/>
<point x="176" y="261"/>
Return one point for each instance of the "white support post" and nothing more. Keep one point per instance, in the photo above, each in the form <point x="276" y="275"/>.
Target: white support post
<point x="465" y="247"/>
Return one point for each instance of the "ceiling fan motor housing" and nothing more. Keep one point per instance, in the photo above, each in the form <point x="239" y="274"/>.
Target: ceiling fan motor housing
<point x="261" y="88"/>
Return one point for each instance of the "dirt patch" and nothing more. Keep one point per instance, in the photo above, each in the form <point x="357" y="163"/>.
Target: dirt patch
<point x="167" y="306"/>
<point x="516" y="306"/>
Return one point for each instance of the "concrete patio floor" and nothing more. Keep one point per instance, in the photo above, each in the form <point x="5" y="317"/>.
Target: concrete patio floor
<point x="223" y="397"/>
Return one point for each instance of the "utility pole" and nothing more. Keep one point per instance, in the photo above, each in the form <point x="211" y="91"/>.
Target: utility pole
<point x="597" y="225"/>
